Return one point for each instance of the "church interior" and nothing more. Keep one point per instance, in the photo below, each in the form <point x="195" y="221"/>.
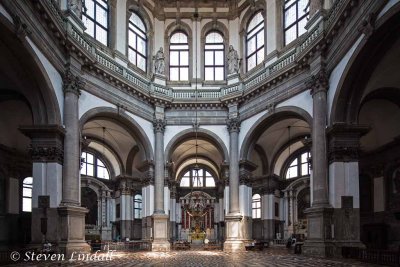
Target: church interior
<point x="228" y="125"/>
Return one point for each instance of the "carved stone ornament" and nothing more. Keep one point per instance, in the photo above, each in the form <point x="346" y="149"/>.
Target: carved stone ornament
<point x="75" y="6"/>
<point x="159" y="62"/>
<point x="159" y="125"/>
<point x="233" y="124"/>
<point x="233" y="61"/>
<point x="72" y="83"/>
<point x="21" y="29"/>
<point x="318" y="82"/>
<point x="46" y="154"/>
<point x="368" y="25"/>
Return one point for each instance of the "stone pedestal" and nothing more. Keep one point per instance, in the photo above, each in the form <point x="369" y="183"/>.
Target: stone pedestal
<point x="319" y="241"/>
<point x="72" y="230"/>
<point x="160" y="79"/>
<point x="233" y="243"/>
<point x="233" y="78"/>
<point x="160" y="233"/>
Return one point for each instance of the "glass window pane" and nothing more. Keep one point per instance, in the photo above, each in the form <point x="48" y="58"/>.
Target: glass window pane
<point x="219" y="74"/>
<point x="288" y="3"/>
<point x="209" y="58"/>
<point x="294" y="162"/>
<point x="89" y="8"/>
<point x="185" y="182"/>
<point x="184" y="58"/>
<point x="209" y="74"/>
<point x="304" y="169"/>
<point x="260" y="39"/>
<point x="184" y="74"/>
<point x="28" y="181"/>
<point x="290" y="16"/>
<point x="210" y="182"/>
<point x="179" y="37"/>
<point x="174" y="58"/>
<point x="83" y="169"/>
<point x="302" y="7"/>
<point x="141" y="62"/>
<point x="260" y="56"/>
<point x="89" y="158"/>
<point x="251" y="62"/>
<point x="251" y="45"/>
<point x="101" y="35"/>
<point x="292" y="172"/>
<point x="27" y="192"/>
<point x="137" y="21"/>
<point x="89" y="27"/>
<point x="304" y="158"/>
<point x="290" y="35"/>
<point x="90" y="170"/>
<point x="214" y="47"/>
<point x="141" y="46"/>
<point x="254" y="21"/>
<point x="132" y="56"/>
<point x="302" y="25"/>
<point x="100" y="163"/>
<point x="214" y="37"/>
<point x="132" y="39"/>
<point x="27" y="204"/>
<point x="101" y="16"/>
<point x="219" y="58"/>
<point x="174" y="74"/>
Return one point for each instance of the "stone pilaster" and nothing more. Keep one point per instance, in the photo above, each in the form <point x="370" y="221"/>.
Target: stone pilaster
<point x="344" y="195"/>
<point x="234" y="218"/>
<point x="160" y="219"/>
<point x="72" y="216"/>
<point x="319" y="242"/>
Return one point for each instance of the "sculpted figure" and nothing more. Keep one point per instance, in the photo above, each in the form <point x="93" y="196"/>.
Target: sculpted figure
<point x="233" y="61"/>
<point x="159" y="62"/>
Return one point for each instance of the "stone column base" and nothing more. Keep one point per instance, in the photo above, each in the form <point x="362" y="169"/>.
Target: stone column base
<point x="315" y="248"/>
<point x="160" y="233"/>
<point x="339" y="244"/>
<point x="234" y="240"/>
<point x="72" y="230"/>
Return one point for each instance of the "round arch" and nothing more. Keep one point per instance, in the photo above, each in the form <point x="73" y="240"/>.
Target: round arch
<point x="268" y="120"/>
<point x="202" y="133"/>
<point x="131" y="125"/>
<point x="349" y="93"/>
<point x="44" y="105"/>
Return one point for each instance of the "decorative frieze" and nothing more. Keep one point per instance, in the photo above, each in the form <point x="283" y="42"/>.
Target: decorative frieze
<point x="318" y="82"/>
<point x="46" y="154"/>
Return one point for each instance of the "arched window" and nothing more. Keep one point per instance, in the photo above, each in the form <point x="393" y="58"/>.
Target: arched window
<point x="295" y="19"/>
<point x="179" y="57"/>
<point x="214" y="57"/>
<point x="256" y="206"/>
<point x="255" y="41"/>
<point x="137" y="42"/>
<point x="138" y="206"/>
<point x="92" y="166"/>
<point x="95" y="18"/>
<point x="197" y="178"/>
<point x="300" y="166"/>
<point x="27" y="194"/>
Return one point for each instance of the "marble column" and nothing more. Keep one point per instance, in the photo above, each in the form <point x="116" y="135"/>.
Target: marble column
<point x="72" y="216"/>
<point x="319" y="242"/>
<point x="234" y="217"/>
<point x="160" y="219"/>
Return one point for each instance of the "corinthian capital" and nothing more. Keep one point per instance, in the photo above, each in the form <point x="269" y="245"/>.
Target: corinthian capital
<point x="233" y="125"/>
<point x="72" y="83"/>
<point x="159" y="125"/>
<point x="318" y="82"/>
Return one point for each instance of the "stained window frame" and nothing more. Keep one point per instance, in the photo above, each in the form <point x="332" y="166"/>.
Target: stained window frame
<point x="131" y="30"/>
<point x="179" y="66"/>
<point x="95" y="166"/>
<point x="249" y="36"/>
<point x="298" y="165"/>
<point x="214" y="50"/>
<point x="95" y="20"/>
<point x="296" y="22"/>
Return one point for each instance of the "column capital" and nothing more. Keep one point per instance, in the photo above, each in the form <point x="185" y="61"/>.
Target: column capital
<point x="344" y="141"/>
<point x="245" y="172"/>
<point x="46" y="142"/>
<point x="318" y="82"/>
<point x="72" y="83"/>
<point x="159" y="125"/>
<point x="233" y="124"/>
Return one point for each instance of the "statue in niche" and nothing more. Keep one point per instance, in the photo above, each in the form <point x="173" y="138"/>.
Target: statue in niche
<point x="159" y="62"/>
<point x="233" y="61"/>
<point x="396" y="181"/>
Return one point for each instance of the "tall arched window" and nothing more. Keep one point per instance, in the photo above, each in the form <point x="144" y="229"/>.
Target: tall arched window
<point x="92" y="166"/>
<point x="255" y="41"/>
<point x="197" y="178"/>
<point x="295" y="19"/>
<point x="300" y="166"/>
<point x="27" y="194"/>
<point x="179" y="57"/>
<point x="138" y="206"/>
<point x="214" y="57"/>
<point x="95" y="19"/>
<point x="137" y="42"/>
<point x="256" y="206"/>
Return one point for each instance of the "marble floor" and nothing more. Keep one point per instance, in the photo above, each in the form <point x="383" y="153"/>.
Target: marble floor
<point x="268" y="257"/>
